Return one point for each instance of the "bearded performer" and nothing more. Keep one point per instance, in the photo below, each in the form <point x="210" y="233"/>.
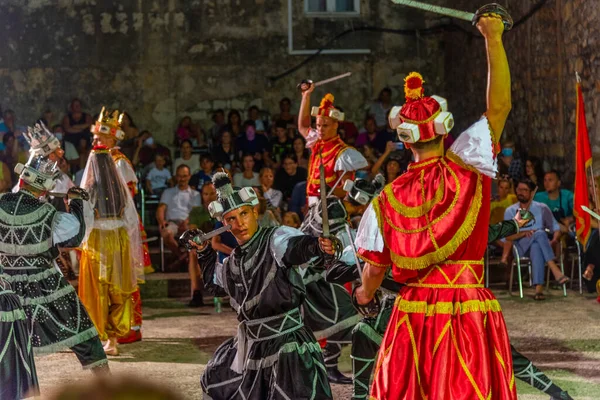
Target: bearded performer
<point x="274" y="356"/>
<point x="33" y="231"/>
<point x="112" y="260"/>
<point x="107" y="130"/>
<point x="431" y="225"/>
<point x="368" y="333"/>
<point x="339" y="159"/>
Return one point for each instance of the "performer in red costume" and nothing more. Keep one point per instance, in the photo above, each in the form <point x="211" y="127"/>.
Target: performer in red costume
<point x="102" y="131"/>
<point x="446" y="338"/>
<point x="339" y="158"/>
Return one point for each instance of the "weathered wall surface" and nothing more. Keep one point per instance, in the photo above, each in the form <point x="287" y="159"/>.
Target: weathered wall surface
<point x="162" y="59"/>
<point x="544" y="53"/>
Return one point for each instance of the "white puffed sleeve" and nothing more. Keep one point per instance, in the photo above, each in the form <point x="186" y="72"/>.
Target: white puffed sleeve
<point x="64" y="227"/>
<point x="474" y="147"/>
<point x="350" y="159"/>
<point x="311" y="138"/>
<point x="369" y="234"/>
<point x="279" y="242"/>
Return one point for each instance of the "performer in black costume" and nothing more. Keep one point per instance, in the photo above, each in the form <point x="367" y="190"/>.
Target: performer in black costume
<point x="367" y="335"/>
<point x="274" y="356"/>
<point x="33" y="230"/>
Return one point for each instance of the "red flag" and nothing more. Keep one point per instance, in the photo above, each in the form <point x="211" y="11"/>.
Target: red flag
<point x="583" y="160"/>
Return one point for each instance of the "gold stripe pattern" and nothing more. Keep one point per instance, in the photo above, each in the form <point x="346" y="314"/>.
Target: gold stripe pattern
<point x="446" y="285"/>
<point x="448" y="307"/>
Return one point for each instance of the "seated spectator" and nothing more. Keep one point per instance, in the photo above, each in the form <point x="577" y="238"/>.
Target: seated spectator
<point x="187" y="158"/>
<point x="532" y="241"/>
<point x="158" y="177"/>
<point x="184" y="130"/>
<point x="145" y="150"/>
<point x="273" y="196"/>
<point x="278" y="147"/>
<point x="379" y="109"/>
<point x="47" y="118"/>
<point x="509" y="163"/>
<point x="291" y="219"/>
<point x="223" y="243"/>
<point x="234" y="124"/>
<point x="285" y="105"/>
<point x="76" y="124"/>
<point x="289" y="175"/>
<point x="71" y="154"/>
<point x="505" y="199"/>
<point x="266" y="215"/>
<point x="128" y="127"/>
<point x="218" y="118"/>
<point x="534" y="171"/>
<point x="174" y="209"/>
<point x="301" y="152"/>
<point x="254" y="115"/>
<point x="205" y="174"/>
<point x="200" y="219"/>
<point x="252" y="143"/>
<point x="224" y="153"/>
<point x="247" y="177"/>
<point x="377" y="139"/>
<point x="389" y="166"/>
<point x="560" y="201"/>
<point x="5" y="178"/>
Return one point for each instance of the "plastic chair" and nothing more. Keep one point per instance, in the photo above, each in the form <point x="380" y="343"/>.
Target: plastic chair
<point x="520" y="262"/>
<point x="576" y="257"/>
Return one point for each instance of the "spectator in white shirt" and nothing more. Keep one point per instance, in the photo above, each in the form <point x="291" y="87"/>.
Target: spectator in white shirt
<point x="273" y="196"/>
<point x="157" y="178"/>
<point x="248" y="177"/>
<point x="174" y="209"/>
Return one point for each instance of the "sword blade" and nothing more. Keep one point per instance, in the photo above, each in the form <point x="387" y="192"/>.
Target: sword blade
<point x="211" y="234"/>
<point x="449" y="12"/>
<point x="332" y="79"/>
<point x="354" y="252"/>
<point x="323" y="190"/>
<point x="592" y="213"/>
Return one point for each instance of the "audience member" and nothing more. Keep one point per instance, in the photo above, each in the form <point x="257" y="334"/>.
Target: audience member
<point x="224" y="153"/>
<point x="379" y="109"/>
<point x="291" y="219"/>
<point x="218" y="118"/>
<point x="252" y="143"/>
<point x="254" y="115"/>
<point x="174" y="209"/>
<point x="279" y="146"/>
<point x="273" y="196"/>
<point x="184" y="130"/>
<point x="223" y="243"/>
<point x="247" y="177"/>
<point x="187" y="158"/>
<point x="158" y="177"/>
<point x="560" y="201"/>
<point x="301" y="152"/>
<point x="147" y="148"/>
<point x="377" y="139"/>
<point x="266" y="216"/>
<point x="532" y="241"/>
<point x="76" y="124"/>
<point x="285" y="105"/>
<point x="384" y="162"/>
<point x="297" y="201"/>
<point x="534" y="171"/>
<point x="509" y="163"/>
<point x="83" y="149"/>
<point x="505" y="198"/>
<point x="289" y="175"/>
<point x="347" y="130"/>
<point x="71" y="154"/>
<point x="205" y="174"/>
<point x="234" y="124"/>
<point x="129" y="127"/>
<point x="6" y="182"/>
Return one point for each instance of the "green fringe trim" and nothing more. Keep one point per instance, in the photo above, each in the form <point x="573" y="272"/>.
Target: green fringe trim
<point x="31" y="278"/>
<point x="12" y="316"/>
<point x="67" y="343"/>
<point x="34" y="301"/>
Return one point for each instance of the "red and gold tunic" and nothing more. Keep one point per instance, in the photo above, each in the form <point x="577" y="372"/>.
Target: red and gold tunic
<point x="338" y="158"/>
<point x="446" y="338"/>
<point x="125" y="168"/>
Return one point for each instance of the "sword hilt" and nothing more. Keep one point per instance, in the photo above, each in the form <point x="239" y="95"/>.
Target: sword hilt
<point x="304" y="85"/>
<point x="494" y="8"/>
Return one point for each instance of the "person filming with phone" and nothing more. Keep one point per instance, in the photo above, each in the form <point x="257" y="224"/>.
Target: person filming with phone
<point x="532" y="241"/>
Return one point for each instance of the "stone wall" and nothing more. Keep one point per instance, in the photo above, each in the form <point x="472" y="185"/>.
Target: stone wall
<point x="163" y="59"/>
<point x="544" y="53"/>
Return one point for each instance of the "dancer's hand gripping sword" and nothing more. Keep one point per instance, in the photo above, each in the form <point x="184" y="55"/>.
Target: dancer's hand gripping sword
<point x="492" y="8"/>
<point x="335" y="242"/>
<point x="195" y="239"/>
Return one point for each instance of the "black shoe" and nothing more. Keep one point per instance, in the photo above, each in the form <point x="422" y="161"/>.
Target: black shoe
<point x="335" y="376"/>
<point x="197" y="300"/>
<point x="563" y="396"/>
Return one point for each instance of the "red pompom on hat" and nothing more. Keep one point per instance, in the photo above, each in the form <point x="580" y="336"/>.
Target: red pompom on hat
<point x="422" y="117"/>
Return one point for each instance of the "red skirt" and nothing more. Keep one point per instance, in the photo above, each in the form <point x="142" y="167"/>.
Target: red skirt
<point x="445" y="344"/>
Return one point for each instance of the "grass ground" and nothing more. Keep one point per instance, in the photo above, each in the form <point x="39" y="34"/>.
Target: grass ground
<point x="561" y="335"/>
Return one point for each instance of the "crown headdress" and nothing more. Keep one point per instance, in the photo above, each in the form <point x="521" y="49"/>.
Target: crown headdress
<point x="327" y="109"/>
<point x="228" y="198"/>
<point x="42" y="142"/>
<point x="422" y="117"/>
<point x="109" y="124"/>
